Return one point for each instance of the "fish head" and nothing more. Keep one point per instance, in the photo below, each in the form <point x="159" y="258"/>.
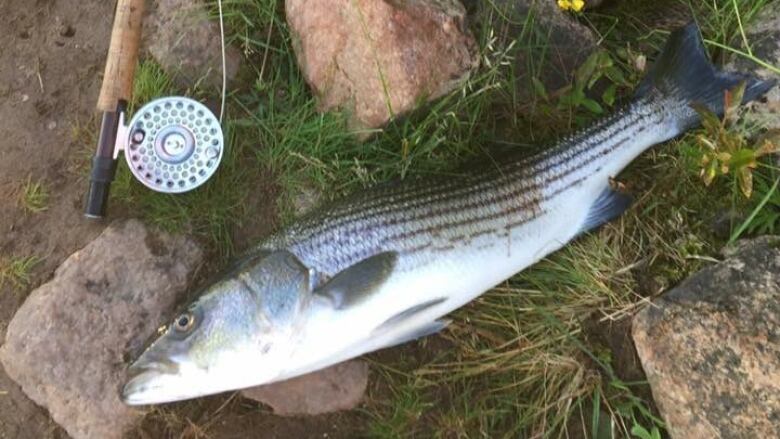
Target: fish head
<point x="241" y="332"/>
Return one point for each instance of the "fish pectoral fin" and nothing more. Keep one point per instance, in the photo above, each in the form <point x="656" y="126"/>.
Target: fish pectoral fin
<point x="608" y="206"/>
<point x="352" y="285"/>
<point x="423" y="331"/>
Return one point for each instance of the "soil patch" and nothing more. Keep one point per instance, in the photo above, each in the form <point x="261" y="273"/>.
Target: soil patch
<point x="51" y="57"/>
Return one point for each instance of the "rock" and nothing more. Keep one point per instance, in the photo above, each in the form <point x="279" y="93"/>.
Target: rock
<point x="566" y="43"/>
<point x="724" y="222"/>
<point x="711" y="347"/>
<point x="306" y="199"/>
<point x="379" y="58"/>
<point x="68" y="345"/>
<point x="186" y="43"/>
<point x="339" y="387"/>
<point x="764" y="38"/>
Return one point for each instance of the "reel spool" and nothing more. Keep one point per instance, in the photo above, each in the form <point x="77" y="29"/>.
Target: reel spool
<point x="172" y="144"/>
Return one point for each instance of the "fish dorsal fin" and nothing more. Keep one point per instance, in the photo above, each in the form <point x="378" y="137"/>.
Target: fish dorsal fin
<point x="608" y="206"/>
<point x="355" y="283"/>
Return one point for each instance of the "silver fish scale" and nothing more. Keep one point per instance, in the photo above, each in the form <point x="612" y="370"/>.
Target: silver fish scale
<point x="424" y="217"/>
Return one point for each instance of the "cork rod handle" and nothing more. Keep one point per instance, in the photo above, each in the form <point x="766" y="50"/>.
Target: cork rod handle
<point x="122" y="55"/>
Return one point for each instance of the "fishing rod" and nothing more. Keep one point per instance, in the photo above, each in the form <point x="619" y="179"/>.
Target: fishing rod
<point x="171" y="145"/>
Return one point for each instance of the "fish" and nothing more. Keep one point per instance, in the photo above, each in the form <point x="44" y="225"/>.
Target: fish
<point x="385" y="266"/>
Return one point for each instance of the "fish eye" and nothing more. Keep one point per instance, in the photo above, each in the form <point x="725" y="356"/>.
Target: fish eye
<point x="184" y="322"/>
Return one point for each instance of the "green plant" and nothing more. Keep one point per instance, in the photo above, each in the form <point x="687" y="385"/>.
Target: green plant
<point x="725" y="150"/>
<point x="16" y="271"/>
<point x="598" y="82"/>
<point x="34" y="196"/>
<point x="600" y="64"/>
<point x="764" y="216"/>
<point x="642" y="433"/>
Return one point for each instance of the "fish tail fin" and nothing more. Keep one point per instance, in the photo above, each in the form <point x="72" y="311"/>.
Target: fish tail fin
<point x="683" y="75"/>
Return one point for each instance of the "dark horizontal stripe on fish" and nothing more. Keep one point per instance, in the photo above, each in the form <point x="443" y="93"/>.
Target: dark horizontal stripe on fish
<point x="465" y="238"/>
<point x="350" y="254"/>
<point x="475" y="206"/>
<point x="385" y="201"/>
<point x="575" y="145"/>
<point x="408" y="235"/>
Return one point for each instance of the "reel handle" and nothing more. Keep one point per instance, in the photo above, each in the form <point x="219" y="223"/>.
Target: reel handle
<point x="104" y="163"/>
<point x="122" y="55"/>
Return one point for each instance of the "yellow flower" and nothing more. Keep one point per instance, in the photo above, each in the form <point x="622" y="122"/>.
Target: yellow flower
<point x="571" y="5"/>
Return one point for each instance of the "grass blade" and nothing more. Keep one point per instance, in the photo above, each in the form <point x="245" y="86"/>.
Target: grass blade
<point x="741" y="229"/>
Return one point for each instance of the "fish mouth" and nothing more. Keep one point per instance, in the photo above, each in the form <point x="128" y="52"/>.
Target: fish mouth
<point x="146" y="383"/>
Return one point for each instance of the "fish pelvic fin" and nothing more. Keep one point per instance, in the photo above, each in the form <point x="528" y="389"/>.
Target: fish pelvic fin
<point x="684" y="73"/>
<point x="399" y="324"/>
<point x="608" y="206"/>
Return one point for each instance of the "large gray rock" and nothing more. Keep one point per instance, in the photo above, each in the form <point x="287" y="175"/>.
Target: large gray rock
<point x="186" y="43"/>
<point x="68" y="344"/>
<point x="379" y="58"/>
<point x="711" y="347"/>
<point x="764" y="38"/>
<point x="339" y="387"/>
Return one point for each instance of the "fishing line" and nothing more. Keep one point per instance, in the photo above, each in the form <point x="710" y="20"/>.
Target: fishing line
<point x="224" y="63"/>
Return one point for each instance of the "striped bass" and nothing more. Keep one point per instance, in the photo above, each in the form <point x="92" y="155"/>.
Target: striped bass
<point x="383" y="266"/>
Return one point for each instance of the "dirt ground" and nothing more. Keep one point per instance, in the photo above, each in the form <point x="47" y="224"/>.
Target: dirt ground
<point x="51" y="55"/>
<point x="51" y="62"/>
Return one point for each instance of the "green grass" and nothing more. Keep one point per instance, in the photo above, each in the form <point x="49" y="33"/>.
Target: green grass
<point x="34" y="196"/>
<point x="17" y="271"/>
<point x="764" y="218"/>
<point x="520" y="361"/>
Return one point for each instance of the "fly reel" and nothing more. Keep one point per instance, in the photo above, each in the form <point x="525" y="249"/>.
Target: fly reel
<point x="172" y="144"/>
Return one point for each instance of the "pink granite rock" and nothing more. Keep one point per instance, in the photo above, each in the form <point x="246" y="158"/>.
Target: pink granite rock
<point x="711" y="347"/>
<point x="339" y="387"/>
<point x="68" y="344"/>
<point x="380" y="58"/>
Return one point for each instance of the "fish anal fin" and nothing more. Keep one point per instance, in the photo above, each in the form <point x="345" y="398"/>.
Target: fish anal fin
<point x="403" y="316"/>
<point x="608" y="206"/>
<point x="357" y="282"/>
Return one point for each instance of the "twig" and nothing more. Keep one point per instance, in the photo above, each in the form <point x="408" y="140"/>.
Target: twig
<point x="38" y="74"/>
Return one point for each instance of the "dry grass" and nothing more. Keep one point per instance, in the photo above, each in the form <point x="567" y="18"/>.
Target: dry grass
<point x="33" y="196"/>
<point x="17" y="271"/>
